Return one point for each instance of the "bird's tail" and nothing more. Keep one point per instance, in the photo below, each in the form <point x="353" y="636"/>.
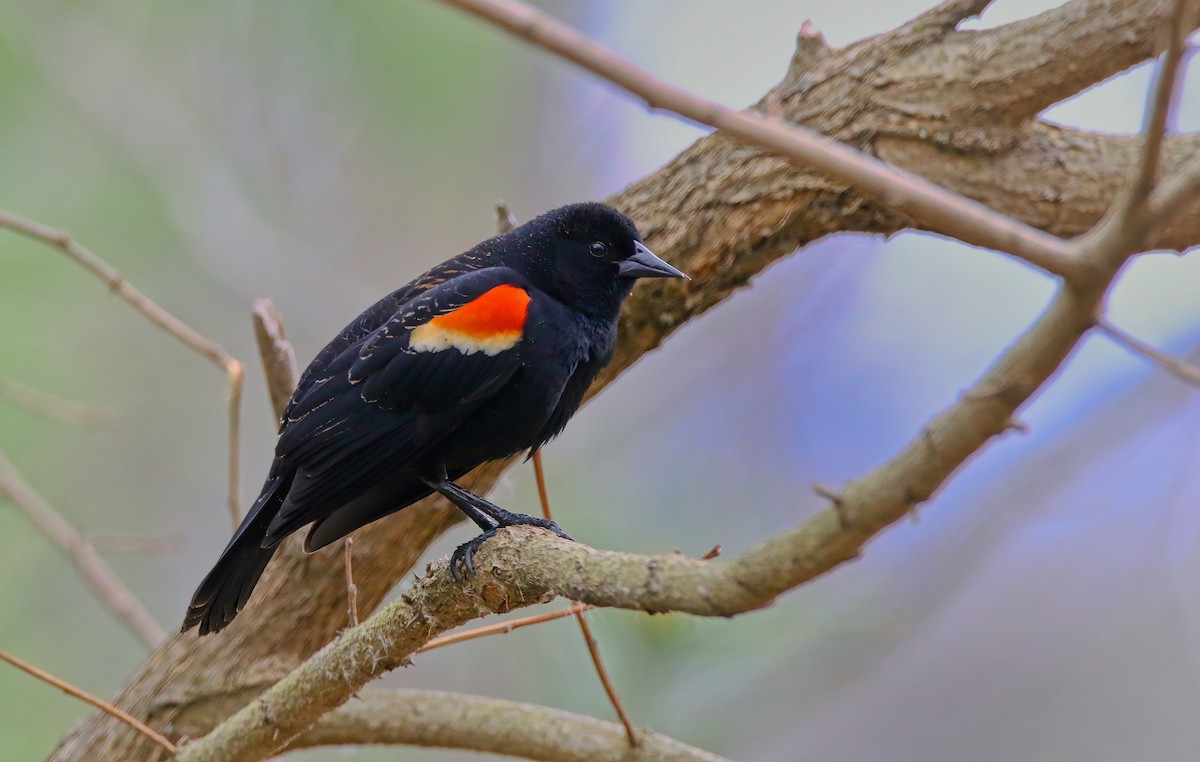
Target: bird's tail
<point x="225" y="590"/>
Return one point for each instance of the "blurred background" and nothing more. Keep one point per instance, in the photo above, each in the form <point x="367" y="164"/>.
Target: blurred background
<point x="322" y="153"/>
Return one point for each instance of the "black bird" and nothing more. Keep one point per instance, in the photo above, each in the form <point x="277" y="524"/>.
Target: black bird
<point x="484" y="356"/>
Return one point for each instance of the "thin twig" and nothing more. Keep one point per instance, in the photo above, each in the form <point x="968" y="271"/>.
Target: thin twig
<point x="1184" y="371"/>
<point x="191" y="338"/>
<point x="1164" y="98"/>
<point x="938" y="208"/>
<point x="50" y="406"/>
<point x="351" y="588"/>
<point x="593" y="649"/>
<point x="131" y="544"/>
<point x="502" y="628"/>
<point x="88" y="698"/>
<point x="235" y="378"/>
<point x="105" y="583"/>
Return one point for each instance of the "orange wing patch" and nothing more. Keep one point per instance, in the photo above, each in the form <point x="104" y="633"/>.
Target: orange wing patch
<point x="490" y="323"/>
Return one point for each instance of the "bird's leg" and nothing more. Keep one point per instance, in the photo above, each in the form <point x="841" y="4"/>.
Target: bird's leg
<point x="481" y="519"/>
<point x="480" y="511"/>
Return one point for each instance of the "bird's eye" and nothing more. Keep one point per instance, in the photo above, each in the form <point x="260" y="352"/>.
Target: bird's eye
<point x="598" y="249"/>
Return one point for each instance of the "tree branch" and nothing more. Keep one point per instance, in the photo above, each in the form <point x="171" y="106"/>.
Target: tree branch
<point x="502" y="628"/>
<point x="98" y="575"/>
<point x="49" y="406"/>
<point x="1016" y="71"/>
<point x="459" y="721"/>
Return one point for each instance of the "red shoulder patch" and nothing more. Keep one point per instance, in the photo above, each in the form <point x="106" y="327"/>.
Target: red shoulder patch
<point x="499" y="310"/>
<point x="489" y="323"/>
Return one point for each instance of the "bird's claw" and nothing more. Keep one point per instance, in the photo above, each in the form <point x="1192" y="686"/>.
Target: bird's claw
<point x="464" y="555"/>
<point x="534" y="521"/>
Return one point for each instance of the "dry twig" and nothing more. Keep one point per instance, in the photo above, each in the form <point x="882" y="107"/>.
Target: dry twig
<point x="502" y="628"/>
<point x="1184" y="371"/>
<point x="99" y="576"/>
<point x="53" y="407"/>
<point x="593" y="649"/>
<point x="88" y="698"/>
<point x="132" y="544"/>
<point x="191" y="338"/>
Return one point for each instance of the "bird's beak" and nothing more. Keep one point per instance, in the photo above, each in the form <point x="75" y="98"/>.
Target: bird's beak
<point x="643" y="264"/>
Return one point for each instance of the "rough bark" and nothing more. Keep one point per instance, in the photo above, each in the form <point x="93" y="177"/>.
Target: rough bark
<point x="723" y="213"/>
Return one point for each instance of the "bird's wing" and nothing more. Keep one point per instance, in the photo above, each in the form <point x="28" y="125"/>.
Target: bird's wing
<point x="381" y="403"/>
<point x="376" y="315"/>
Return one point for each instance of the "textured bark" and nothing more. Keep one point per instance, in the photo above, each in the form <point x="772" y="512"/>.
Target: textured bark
<point x="723" y="213"/>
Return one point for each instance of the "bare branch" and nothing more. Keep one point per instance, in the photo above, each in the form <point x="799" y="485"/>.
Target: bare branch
<point x="593" y="650"/>
<point x="936" y="207"/>
<point x="1174" y="196"/>
<point x="1125" y="228"/>
<point x="278" y="356"/>
<point x="502" y="628"/>
<point x="128" y="543"/>
<point x="88" y="698"/>
<point x="98" y="575"/>
<point x="191" y="338"/>
<point x="1165" y="94"/>
<point x="56" y="408"/>
<point x="457" y="721"/>
<point x="1185" y="372"/>
<point x="1015" y="71"/>
<point x="235" y="378"/>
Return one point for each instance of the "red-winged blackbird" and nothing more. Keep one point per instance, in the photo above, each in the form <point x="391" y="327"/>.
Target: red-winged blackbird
<point x="484" y="356"/>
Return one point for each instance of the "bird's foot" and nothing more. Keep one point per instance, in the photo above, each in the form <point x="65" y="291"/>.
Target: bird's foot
<point x="465" y="554"/>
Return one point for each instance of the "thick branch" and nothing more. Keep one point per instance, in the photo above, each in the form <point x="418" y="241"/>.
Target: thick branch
<point x="1006" y="75"/>
<point x="459" y="721"/>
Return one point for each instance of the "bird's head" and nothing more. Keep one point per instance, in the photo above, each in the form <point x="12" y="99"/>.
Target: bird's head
<point x="587" y="255"/>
